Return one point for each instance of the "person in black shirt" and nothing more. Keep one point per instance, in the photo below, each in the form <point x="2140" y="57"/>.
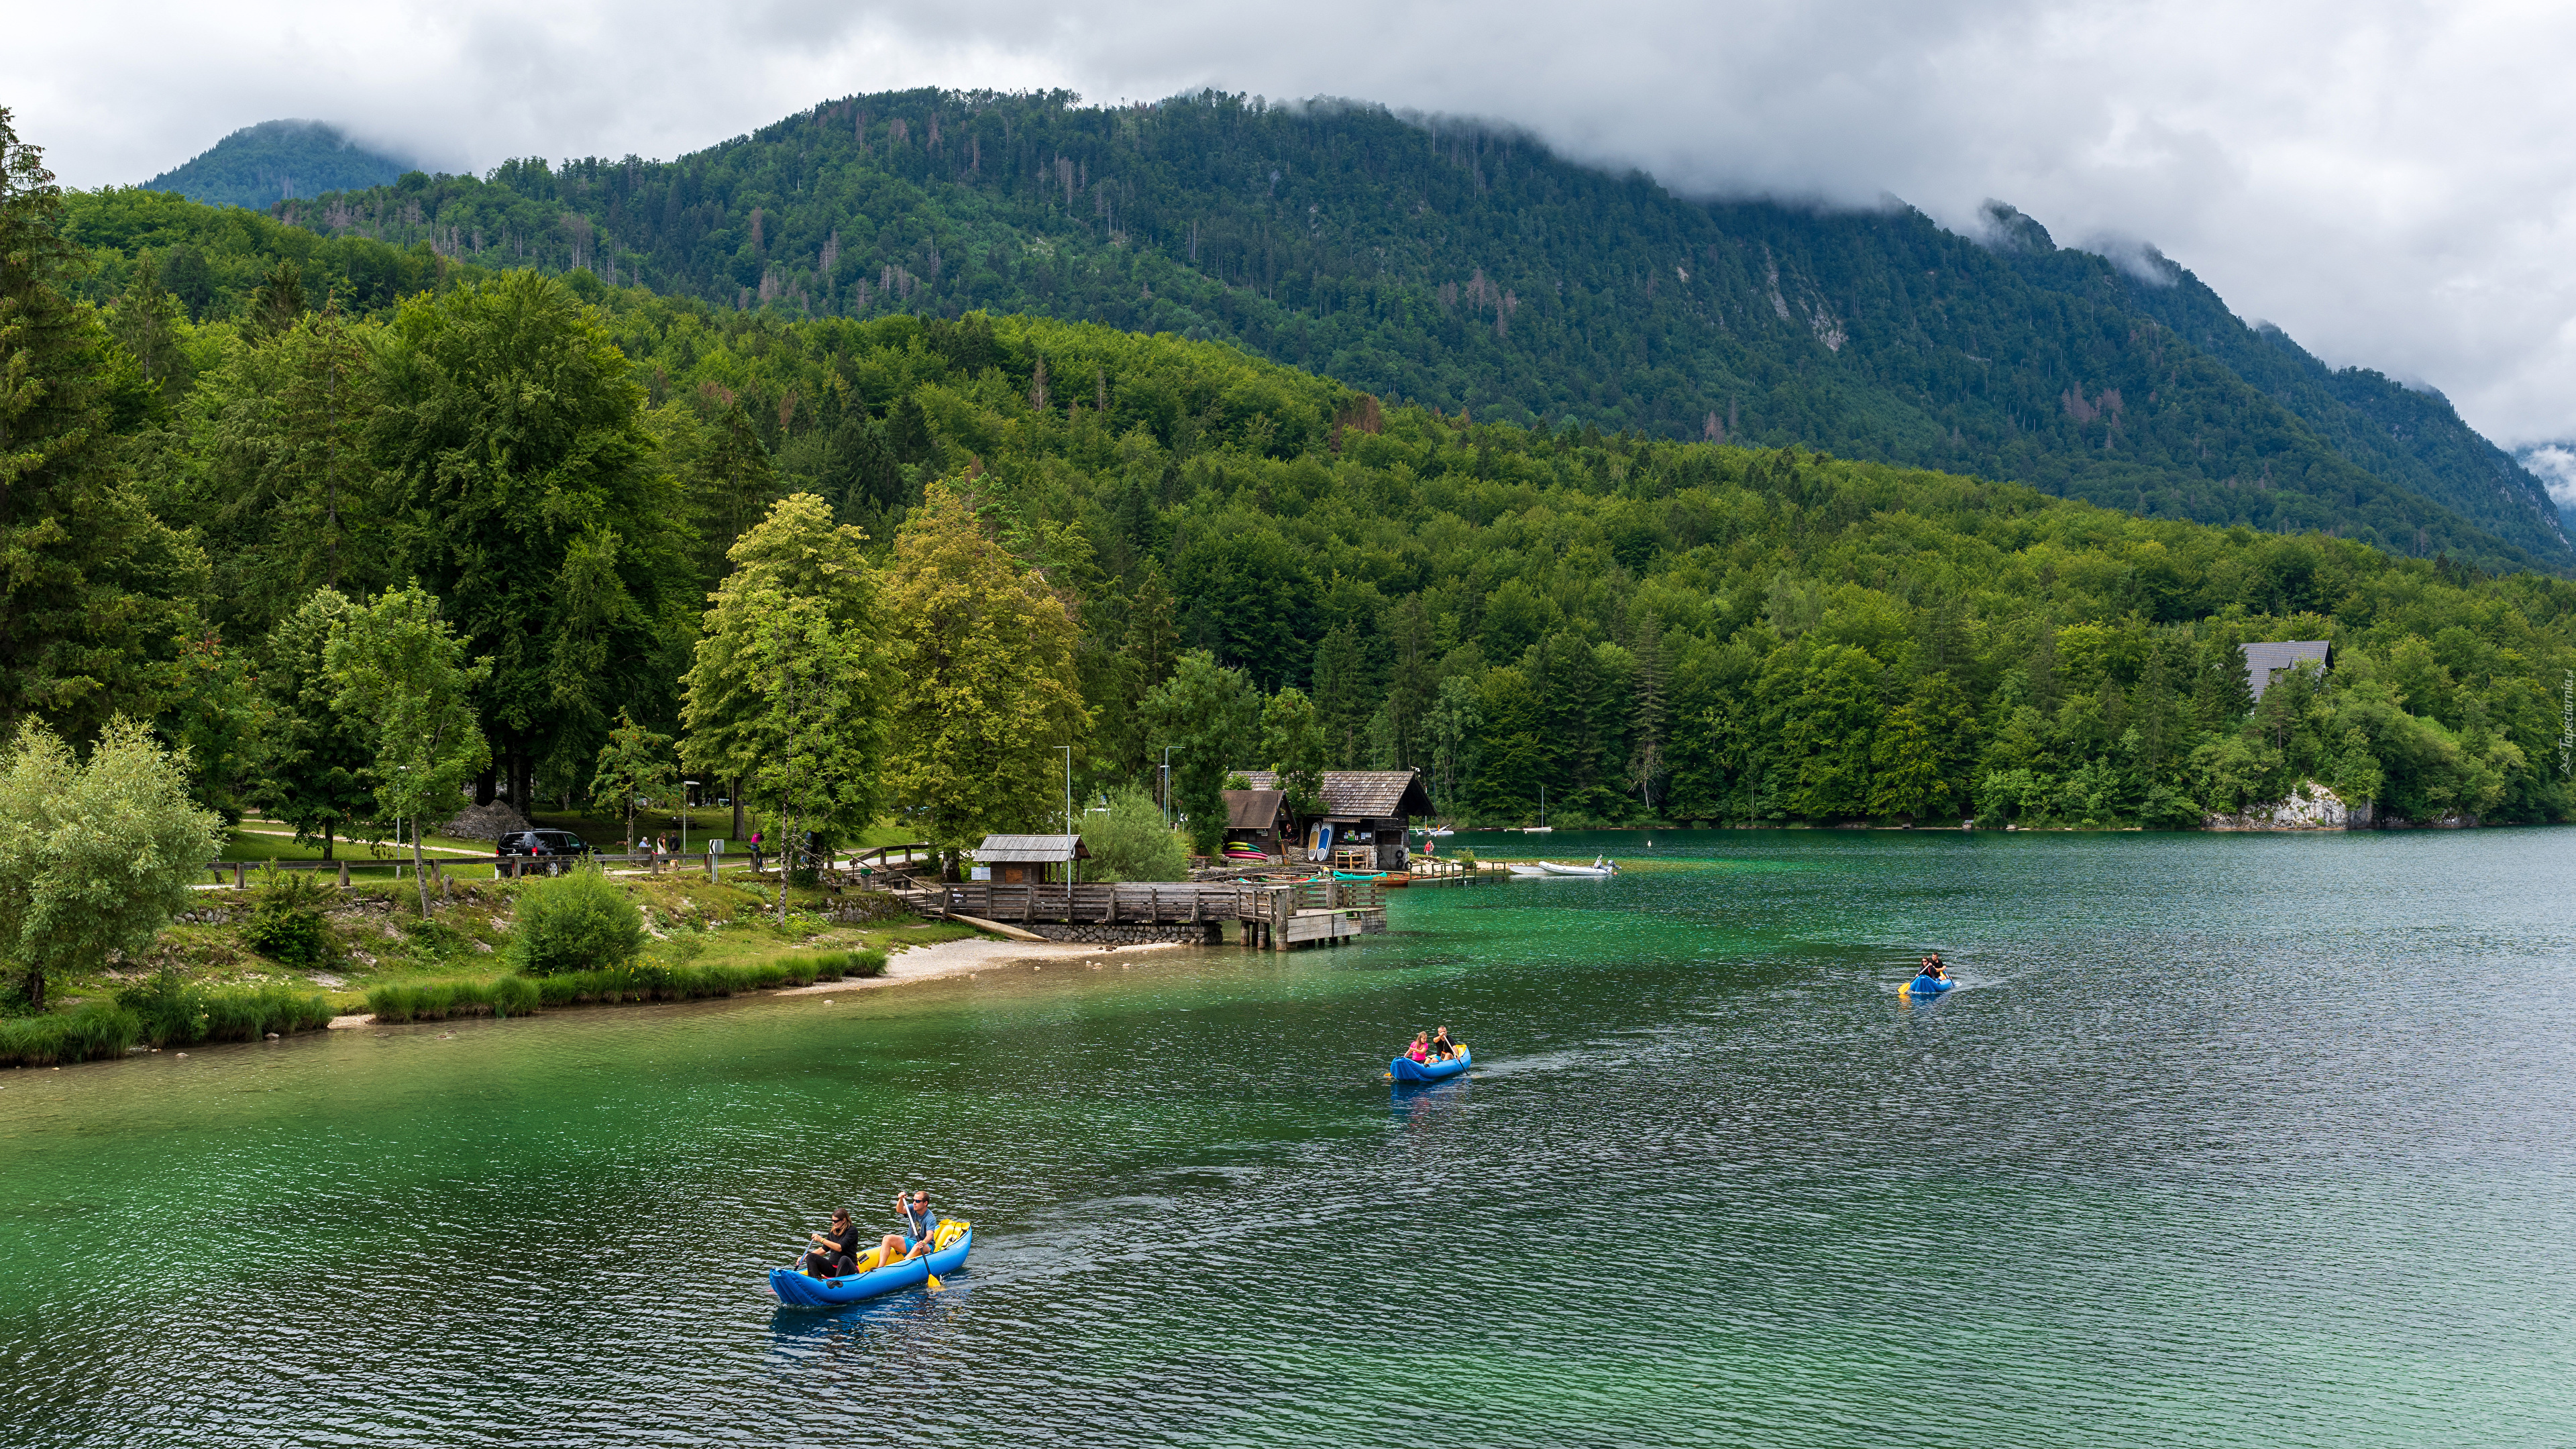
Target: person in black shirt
<point x="834" y="1257"/>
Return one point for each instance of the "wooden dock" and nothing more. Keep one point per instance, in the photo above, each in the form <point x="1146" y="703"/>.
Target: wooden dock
<point x="1279" y="917"/>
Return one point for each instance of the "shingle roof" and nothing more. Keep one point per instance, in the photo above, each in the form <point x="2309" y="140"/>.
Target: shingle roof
<point x="1361" y="794"/>
<point x="1253" y="809"/>
<point x="1019" y="849"/>
<point x="2263" y="661"/>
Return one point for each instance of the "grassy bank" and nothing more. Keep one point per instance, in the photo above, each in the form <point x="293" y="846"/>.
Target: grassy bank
<point x="369" y="949"/>
<point x="163" y="1012"/>
<point x="400" y="1001"/>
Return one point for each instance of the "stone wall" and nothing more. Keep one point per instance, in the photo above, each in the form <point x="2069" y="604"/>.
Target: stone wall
<point x="1204" y="933"/>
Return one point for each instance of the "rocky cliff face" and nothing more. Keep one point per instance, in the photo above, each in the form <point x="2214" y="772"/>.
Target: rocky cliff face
<point x="2314" y="807"/>
<point x="2310" y="807"/>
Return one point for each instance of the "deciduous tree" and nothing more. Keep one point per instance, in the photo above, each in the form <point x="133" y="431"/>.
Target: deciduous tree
<point x="986" y="688"/>
<point x="95" y="856"/>
<point x="398" y="665"/>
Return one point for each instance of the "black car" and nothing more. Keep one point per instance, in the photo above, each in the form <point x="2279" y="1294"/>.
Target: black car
<point x="545" y="844"/>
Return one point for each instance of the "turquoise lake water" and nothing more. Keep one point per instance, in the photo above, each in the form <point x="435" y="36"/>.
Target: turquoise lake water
<point x="2224" y="1141"/>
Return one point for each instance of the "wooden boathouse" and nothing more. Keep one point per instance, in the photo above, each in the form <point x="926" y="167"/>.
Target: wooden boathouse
<point x="1365" y="811"/>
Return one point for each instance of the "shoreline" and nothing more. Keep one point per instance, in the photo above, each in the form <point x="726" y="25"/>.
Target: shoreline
<point x="905" y="964"/>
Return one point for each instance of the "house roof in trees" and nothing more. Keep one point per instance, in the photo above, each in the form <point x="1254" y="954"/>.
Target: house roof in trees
<point x="1029" y="849"/>
<point x="2264" y="662"/>
<point x="1361" y="794"/>
<point x="1254" y="809"/>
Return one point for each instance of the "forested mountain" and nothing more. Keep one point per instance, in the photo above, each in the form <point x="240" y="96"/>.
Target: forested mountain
<point x="1651" y="629"/>
<point x="1466" y="267"/>
<point x="260" y="165"/>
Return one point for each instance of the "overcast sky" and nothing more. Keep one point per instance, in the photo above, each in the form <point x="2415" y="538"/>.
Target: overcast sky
<point x="2390" y="182"/>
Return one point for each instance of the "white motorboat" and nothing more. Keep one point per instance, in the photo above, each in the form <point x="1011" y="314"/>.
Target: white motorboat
<point x="1523" y="868"/>
<point x="1598" y="869"/>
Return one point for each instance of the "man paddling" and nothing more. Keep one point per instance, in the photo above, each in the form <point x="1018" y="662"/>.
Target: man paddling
<point x="919" y="1224"/>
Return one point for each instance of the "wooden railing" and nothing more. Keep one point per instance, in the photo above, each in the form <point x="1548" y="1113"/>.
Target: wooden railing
<point x="1113" y="905"/>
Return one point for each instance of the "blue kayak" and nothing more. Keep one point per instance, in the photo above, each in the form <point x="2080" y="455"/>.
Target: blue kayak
<point x="1929" y="986"/>
<point x="797" y="1290"/>
<point x="1406" y="1069"/>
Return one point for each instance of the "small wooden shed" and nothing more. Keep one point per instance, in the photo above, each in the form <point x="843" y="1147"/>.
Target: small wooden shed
<point x="1257" y="818"/>
<point x="1028" y="859"/>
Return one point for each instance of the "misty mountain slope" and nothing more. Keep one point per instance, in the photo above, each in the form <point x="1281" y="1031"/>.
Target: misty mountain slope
<point x="2412" y="438"/>
<point x="1469" y="268"/>
<point x="257" y="166"/>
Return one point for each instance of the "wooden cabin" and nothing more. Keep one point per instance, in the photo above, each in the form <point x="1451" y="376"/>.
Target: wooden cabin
<point x="1258" y="818"/>
<point x="1028" y="859"/>
<point x="1365" y="810"/>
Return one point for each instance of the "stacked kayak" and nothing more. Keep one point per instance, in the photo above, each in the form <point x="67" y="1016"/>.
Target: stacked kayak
<point x="1406" y="1069"/>
<point x="947" y="1255"/>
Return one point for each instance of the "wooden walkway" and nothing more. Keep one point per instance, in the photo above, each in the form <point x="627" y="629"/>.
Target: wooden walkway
<point x="1275" y="916"/>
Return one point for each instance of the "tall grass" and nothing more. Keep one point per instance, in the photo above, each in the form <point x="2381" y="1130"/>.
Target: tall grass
<point x="164" y="1012"/>
<point x="98" y="1029"/>
<point x="521" y="995"/>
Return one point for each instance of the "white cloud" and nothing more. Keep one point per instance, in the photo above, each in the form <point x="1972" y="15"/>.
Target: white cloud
<point x="2386" y="179"/>
<point x="2554" y="464"/>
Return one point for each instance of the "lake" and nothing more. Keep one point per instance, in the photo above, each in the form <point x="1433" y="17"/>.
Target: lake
<point x="2224" y="1140"/>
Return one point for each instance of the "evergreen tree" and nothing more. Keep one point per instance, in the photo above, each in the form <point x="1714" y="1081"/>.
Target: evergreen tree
<point x="97" y="597"/>
<point x="146" y="323"/>
<point x="279" y="303"/>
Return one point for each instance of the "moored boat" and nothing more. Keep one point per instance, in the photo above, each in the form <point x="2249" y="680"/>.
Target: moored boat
<point x="801" y="1290"/>
<point x="1406" y="1069"/>
<point x="1597" y="869"/>
<point x="1517" y="867"/>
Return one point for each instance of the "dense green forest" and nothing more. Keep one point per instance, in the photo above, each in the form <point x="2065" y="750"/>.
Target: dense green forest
<point x="258" y="166"/>
<point x="1467" y="268"/>
<point x="1183" y="543"/>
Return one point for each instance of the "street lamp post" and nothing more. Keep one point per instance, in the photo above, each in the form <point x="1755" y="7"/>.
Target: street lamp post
<point x="1068" y="789"/>
<point x="685" y="802"/>
<point x="1167" y="787"/>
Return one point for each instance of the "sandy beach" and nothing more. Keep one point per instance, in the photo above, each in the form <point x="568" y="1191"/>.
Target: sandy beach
<point x="956" y="958"/>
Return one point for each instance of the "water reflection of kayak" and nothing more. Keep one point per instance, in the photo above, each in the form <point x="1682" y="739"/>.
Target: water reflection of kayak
<point x="1406" y="1069"/>
<point x="797" y="1290"/>
<point x="1929" y="985"/>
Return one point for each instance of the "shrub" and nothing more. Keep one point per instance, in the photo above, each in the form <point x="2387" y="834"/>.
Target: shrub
<point x="835" y="965"/>
<point x="287" y="918"/>
<point x="1132" y="843"/>
<point x="575" y="922"/>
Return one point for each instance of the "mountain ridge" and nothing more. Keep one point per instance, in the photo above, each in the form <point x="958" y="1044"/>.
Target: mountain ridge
<point x="1467" y="267"/>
